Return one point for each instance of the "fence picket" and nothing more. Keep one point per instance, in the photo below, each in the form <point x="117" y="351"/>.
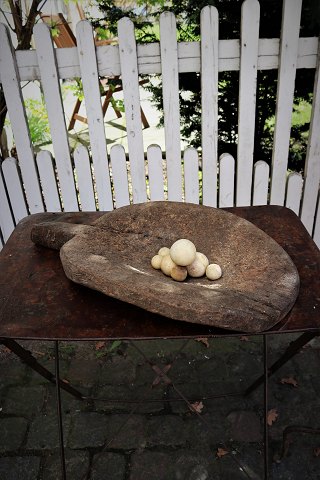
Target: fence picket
<point x="155" y="173"/>
<point x="294" y="191"/>
<point x="52" y="94"/>
<point x="312" y="167"/>
<point x="250" y="19"/>
<point x="260" y="183"/>
<point x="6" y="221"/>
<point x="48" y="181"/>
<point x="170" y="94"/>
<point x="11" y="176"/>
<point x="91" y="88"/>
<point x="12" y="90"/>
<point x="286" y="79"/>
<point x="119" y="175"/>
<point x="209" y="103"/>
<point x="316" y="232"/>
<point x="130" y="82"/>
<point x="169" y="58"/>
<point x="191" y="175"/>
<point x="226" y="180"/>
<point x="84" y="179"/>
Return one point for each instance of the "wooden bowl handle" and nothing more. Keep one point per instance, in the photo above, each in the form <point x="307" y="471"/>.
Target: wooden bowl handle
<point x="56" y="234"/>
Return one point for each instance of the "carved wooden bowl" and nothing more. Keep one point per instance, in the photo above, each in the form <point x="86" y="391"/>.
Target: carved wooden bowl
<point x="259" y="285"/>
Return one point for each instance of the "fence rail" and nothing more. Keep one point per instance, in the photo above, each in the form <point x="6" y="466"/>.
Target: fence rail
<point x="149" y="58"/>
<point x="84" y="180"/>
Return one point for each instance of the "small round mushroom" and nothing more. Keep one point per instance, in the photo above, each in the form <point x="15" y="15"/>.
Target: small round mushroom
<point x="183" y="252"/>
<point x="179" y="273"/>
<point x="164" y="251"/>
<point x="201" y="256"/>
<point x="167" y="265"/>
<point x="196" y="269"/>
<point x="156" y="262"/>
<point x="213" y="271"/>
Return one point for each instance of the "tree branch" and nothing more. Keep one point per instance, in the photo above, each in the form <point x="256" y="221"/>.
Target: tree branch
<point x="24" y="34"/>
<point x="16" y="15"/>
<point x="24" y="43"/>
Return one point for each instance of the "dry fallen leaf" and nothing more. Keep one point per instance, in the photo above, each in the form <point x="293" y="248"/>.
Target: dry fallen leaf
<point x="316" y="452"/>
<point x="221" y="452"/>
<point x="289" y="381"/>
<point x="203" y="340"/>
<point x="99" y="345"/>
<point x="272" y="416"/>
<point x="243" y="338"/>
<point x="196" y="407"/>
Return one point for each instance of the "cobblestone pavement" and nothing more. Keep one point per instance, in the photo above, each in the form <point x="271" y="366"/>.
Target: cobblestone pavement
<point x="116" y="434"/>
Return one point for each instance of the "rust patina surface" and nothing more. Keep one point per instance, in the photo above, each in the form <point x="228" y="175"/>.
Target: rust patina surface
<point x="259" y="284"/>
<point x="38" y="301"/>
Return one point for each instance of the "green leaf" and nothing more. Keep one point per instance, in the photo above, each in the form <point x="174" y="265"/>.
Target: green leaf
<point x="115" y="344"/>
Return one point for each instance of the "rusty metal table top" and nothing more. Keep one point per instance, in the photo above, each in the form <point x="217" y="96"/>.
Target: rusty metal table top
<point x="37" y="301"/>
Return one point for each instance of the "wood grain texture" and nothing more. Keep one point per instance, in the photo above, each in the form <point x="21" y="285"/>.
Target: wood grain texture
<point x="312" y="170"/>
<point x="48" y="181"/>
<point x="259" y="284"/>
<point x="119" y="175"/>
<point x="226" y="180"/>
<point x="191" y="175"/>
<point x="209" y="102"/>
<point x="91" y="89"/>
<point x="260" y="183"/>
<point x="14" y="100"/>
<point x="294" y="191"/>
<point x="10" y="169"/>
<point x="131" y="97"/>
<point x="170" y="94"/>
<point x="6" y="221"/>
<point x="250" y="21"/>
<point x="289" y="47"/>
<point x="155" y="173"/>
<point x="316" y="233"/>
<point x="84" y="178"/>
<point x="149" y="60"/>
<point x="52" y="94"/>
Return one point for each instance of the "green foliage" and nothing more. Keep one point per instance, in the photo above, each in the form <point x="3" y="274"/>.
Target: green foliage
<point x="112" y="14"/>
<point x="187" y="13"/>
<point x="115" y="344"/>
<point x="109" y="350"/>
<point x="54" y="28"/>
<point x="67" y="350"/>
<point x="76" y="88"/>
<point x="299" y="134"/>
<point x="38" y="121"/>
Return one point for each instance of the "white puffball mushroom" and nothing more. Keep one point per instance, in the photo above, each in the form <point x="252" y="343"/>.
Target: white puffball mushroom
<point x="201" y="256"/>
<point x="164" y="251"/>
<point x="213" y="271"/>
<point x="179" y="273"/>
<point x="196" y="269"/>
<point x="167" y="265"/>
<point x="156" y="262"/>
<point x="183" y="252"/>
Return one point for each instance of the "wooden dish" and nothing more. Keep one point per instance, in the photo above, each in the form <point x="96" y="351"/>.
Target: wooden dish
<point x="259" y="285"/>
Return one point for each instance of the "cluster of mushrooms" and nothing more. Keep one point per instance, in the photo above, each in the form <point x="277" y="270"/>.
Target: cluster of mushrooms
<point x="182" y="259"/>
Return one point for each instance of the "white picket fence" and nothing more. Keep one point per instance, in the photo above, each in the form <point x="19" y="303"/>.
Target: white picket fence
<point x="31" y="185"/>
